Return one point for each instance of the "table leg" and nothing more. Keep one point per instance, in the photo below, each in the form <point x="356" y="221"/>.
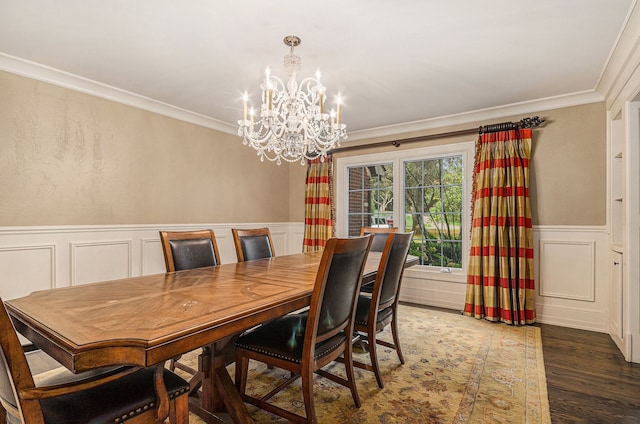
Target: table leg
<point x="207" y="363"/>
<point x="231" y="397"/>
<point x="218" y="392"/>
<point x="162" y="411"/>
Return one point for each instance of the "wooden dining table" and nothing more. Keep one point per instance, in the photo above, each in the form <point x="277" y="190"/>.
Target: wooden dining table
<point x="147" y="320"/>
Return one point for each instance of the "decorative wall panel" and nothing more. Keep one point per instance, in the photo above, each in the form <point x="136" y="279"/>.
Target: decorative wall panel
<point x="100" y="261"/>
<point x="567" y="269"/>
<point x="26" y="269"/>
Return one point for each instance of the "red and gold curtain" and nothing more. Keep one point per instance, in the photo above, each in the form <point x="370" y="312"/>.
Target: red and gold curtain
<point x="319" y="210"/>
<point x="500" y="278"/>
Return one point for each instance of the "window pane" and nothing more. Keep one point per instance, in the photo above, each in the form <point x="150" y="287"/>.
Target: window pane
<point x="356" y="178"/>
<point x="380" y="176"/>
<point x="431" y="226"/>
<point x="416" y="248"/>
<point x="413" y="200"/>
<point x="452" y="254"/>
<point x="432" y="200"/>
<point x="452" y="227"/>
<point x="433" y="210"/>
<point x="452" y="170"/>
<point x="431" y="253"/>
<point x="370" y="196"/>
<point x="355" y="224"/>
<point x="408" y="222"/>
<point x="432" y="172"/>
<point x="386" y="201"/>
<point x="413" y="174"/>
<point x="356" y="202"/>
<point x="452" y="198"/>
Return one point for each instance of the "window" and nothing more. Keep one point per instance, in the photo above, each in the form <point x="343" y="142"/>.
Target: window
<point x="433" y="210"/>
<point x="424" y="190"/>
<point x="370" y="194"/>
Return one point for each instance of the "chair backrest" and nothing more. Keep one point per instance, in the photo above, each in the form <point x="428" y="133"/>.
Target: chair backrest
<point x="390" y="270"/>
<point x="189" y="249"/>
<point x="379" y="236"/>
<point x="15" y="374"/>
<point x="252" y="243"/>
<point x="336" y="289"/>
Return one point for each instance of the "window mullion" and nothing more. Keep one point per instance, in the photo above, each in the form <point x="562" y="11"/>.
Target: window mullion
<point x="435" y="176"/>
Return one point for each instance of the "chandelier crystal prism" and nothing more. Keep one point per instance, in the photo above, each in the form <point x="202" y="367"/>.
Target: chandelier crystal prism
<point x="292" y="125"/>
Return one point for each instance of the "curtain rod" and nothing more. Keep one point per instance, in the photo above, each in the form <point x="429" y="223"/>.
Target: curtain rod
<point x="534" y="122"/>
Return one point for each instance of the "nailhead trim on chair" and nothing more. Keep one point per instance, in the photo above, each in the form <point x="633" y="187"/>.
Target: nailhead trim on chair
<point x="147" y="407"/>
<point x="134" y="413"/>
<point x="288" y="358"/>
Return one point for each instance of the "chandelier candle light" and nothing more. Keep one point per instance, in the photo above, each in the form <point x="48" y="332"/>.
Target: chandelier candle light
<point x="293" y="125"/>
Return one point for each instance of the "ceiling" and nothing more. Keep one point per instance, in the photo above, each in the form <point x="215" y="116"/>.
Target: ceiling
<point x="394" y="62"/>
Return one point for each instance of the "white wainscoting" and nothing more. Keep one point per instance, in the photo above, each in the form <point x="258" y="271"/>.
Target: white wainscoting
<point x="39" y="258"/>
<point x="571" y="266"/>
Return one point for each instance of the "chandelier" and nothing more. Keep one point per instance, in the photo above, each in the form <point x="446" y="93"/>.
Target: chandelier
<point x="292" y="125"/>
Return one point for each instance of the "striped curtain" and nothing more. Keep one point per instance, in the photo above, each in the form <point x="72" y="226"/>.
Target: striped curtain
<point x="319" y="206"/>
<point x="500" y="278"/>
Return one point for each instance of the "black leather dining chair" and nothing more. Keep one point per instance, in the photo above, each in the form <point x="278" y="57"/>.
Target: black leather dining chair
<point x="304" y="343"/>
<point x="119" y="395"/>
<point x="379" y="236"/>
<point x="377" y="245"/>
<point x="188" y="250"/>
<point x="251" y="244"/>
<point x="376" y="311"/>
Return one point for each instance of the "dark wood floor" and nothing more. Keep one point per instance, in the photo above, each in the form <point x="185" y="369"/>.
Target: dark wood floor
<point x="588" y="380"/>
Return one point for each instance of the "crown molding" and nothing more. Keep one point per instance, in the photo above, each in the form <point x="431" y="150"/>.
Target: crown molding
<point x="60" y="78"/>
<point x="533" y="106"/>
<point x="621" y="74"/>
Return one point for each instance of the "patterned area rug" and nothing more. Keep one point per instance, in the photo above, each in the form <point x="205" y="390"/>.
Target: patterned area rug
<point x="458" y="370"/>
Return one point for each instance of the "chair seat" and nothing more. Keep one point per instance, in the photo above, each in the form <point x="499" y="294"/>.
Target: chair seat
<point x="62" y="375"/>
<point x="112" y="402"/>
<point x="283" y="338"/>
<point x="362" y="311"/>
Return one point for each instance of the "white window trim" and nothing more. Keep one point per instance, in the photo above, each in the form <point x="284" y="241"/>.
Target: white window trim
<point x="466" y="149"/>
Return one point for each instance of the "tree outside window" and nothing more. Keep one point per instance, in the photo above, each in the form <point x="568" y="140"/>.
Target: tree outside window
<point x="433" y="210"/>
<point x="432" y="205"/>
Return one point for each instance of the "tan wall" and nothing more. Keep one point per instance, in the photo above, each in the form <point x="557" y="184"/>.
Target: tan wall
<point x="68" y="158"/>
<point x="568" y="170"/>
